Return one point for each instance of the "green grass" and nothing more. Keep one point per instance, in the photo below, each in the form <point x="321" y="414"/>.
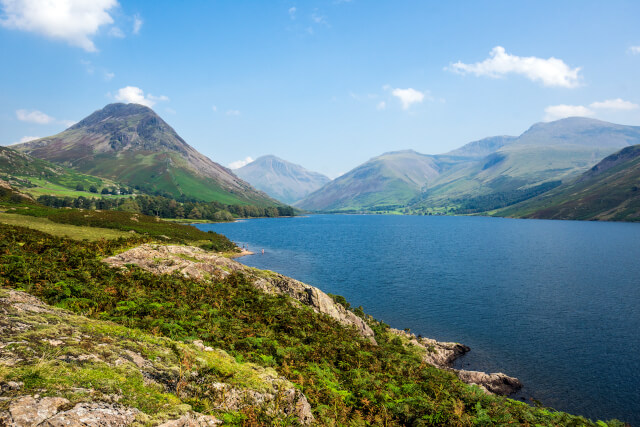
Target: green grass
<point x="63" y="230"/>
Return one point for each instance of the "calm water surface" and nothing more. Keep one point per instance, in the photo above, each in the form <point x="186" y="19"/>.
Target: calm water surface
<point x="554" y="303"/>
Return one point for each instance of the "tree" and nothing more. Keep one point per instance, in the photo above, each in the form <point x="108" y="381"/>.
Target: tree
<point x="93" y="189"/>
<point x="79" y="187"/>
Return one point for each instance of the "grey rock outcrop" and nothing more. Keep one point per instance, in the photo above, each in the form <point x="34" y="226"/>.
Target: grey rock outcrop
<point x="443" y="354"/>
<point x="497" y="383"/>
<point x="198" y="264"/>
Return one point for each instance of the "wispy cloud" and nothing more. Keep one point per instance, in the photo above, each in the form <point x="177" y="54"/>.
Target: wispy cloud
<point x="614" y="104"/>
<point x="634" y="50"/>
<point x="549" y="72"/>
<point x="73" y="21"/>
<point x="25" y="139"/>
<point x="40" y="118"/>
<point x="34" y="116"/>
<point x="381" y="106"/>
<point x="233" y="113"/>
<point x="137" y="24"/>
<point x="116" y="32"/>
<point x="240" y="163"/>
<point x="292" y="13"/>
<point x="556" y="112"/>
<point x="318" y="18"/>
<point x="135" y="95"/>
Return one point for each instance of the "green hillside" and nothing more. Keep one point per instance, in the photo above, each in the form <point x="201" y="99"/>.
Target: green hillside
<point x="39" y="177"/>
<point x="608" y="191"/>
<point x="130" y="143"/>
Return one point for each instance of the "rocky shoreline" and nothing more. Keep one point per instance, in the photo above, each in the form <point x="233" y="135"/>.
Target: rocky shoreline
<point x="198" y="264"/>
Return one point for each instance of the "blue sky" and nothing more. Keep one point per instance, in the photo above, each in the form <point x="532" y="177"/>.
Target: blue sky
<point x="325" y="84"/>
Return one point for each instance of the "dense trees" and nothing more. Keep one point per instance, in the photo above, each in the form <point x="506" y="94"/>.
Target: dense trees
<point x="164" y="207"/>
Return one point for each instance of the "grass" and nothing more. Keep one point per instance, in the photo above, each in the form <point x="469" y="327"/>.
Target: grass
<point x="62" y="230"/>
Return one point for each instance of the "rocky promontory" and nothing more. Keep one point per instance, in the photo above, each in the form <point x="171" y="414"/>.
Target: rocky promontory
<point x="199" y="264"/>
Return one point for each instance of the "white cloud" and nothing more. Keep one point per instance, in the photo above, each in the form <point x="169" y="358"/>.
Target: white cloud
<point x="116" y="32"/>
<point x="68" y="123"/>
<point x="137" y="24"/>
<point x="135" y="95"/>
<point x="319" y="18"/>
<point x="74" y="21"/>
<point x="240" y="163"/>
<point x="108" y="75"/>
<point x="34" y="116"/>
<point x="550" y="72"/>
<point x="292" y="12"/>
<point x="408" y="96"/>
<point x="26" y="139"/>
<point x="557" y="112"/>
<point x="381" y="105"/>
<point x="634" y="50"/>
<point x="214" y="108"/>
<point x="233" y="113"/>
<point x="614" y="104"/>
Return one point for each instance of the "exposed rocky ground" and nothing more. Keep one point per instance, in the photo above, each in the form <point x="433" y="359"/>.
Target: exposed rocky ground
<point x="199" y="264"/>
<point x="59" y="369"/>
<point x="443" y="354"/>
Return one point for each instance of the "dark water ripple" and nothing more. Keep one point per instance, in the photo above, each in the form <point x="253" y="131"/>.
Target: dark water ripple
<point x="554" y="303"/>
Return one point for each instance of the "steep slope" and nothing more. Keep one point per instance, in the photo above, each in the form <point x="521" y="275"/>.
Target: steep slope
<point x="280" y="179"/>
<point x="608" y="191"/>
<point x="539" y="159"/>
<point x="384" y="182"/>
<point x="132" y="144"/>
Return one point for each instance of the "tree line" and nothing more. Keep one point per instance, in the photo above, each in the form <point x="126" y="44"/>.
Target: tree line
<point x="165" y="207"/>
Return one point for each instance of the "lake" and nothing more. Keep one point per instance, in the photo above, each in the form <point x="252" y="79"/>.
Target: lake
<point x="553" y="303"/>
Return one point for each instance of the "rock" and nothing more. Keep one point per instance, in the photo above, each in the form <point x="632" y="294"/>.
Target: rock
<point x="29" y="411"/>
<point x="96" y="414"/>
<point x="192" y="419"/>
<point x="198" y="264"/>
<point x="290" y="401"/>
<point x="497" y="383"/>
<point x="439" y="354"/>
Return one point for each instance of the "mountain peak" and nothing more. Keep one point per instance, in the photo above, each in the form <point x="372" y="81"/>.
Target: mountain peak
<point x="130" y="143"/>
<point x="283" y="180"/>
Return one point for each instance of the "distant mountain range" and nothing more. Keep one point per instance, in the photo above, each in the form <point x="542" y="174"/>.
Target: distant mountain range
<point x="608" y="191"/>
<point x="282" y="180"/>
<point x="131" y="144"/>
<point x="480" y="176"/>
<point x="389" y="180"/>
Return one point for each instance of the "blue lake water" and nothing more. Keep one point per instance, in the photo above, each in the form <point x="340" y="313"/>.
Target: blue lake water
<point x="554" y="303"/>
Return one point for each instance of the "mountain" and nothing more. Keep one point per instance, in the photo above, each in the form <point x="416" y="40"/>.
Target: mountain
<point x="483" y="175"/>
<point x="130" y="143"/>
<point x="608" y="191"/>
<point x="280" y="179"/>
<point x="481" y="148"/>
<point x="544" y="156"/>
<point x="386" y="181"/>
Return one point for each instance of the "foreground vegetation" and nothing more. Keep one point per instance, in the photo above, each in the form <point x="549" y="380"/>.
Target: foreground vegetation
<point x="347" y="380"/>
